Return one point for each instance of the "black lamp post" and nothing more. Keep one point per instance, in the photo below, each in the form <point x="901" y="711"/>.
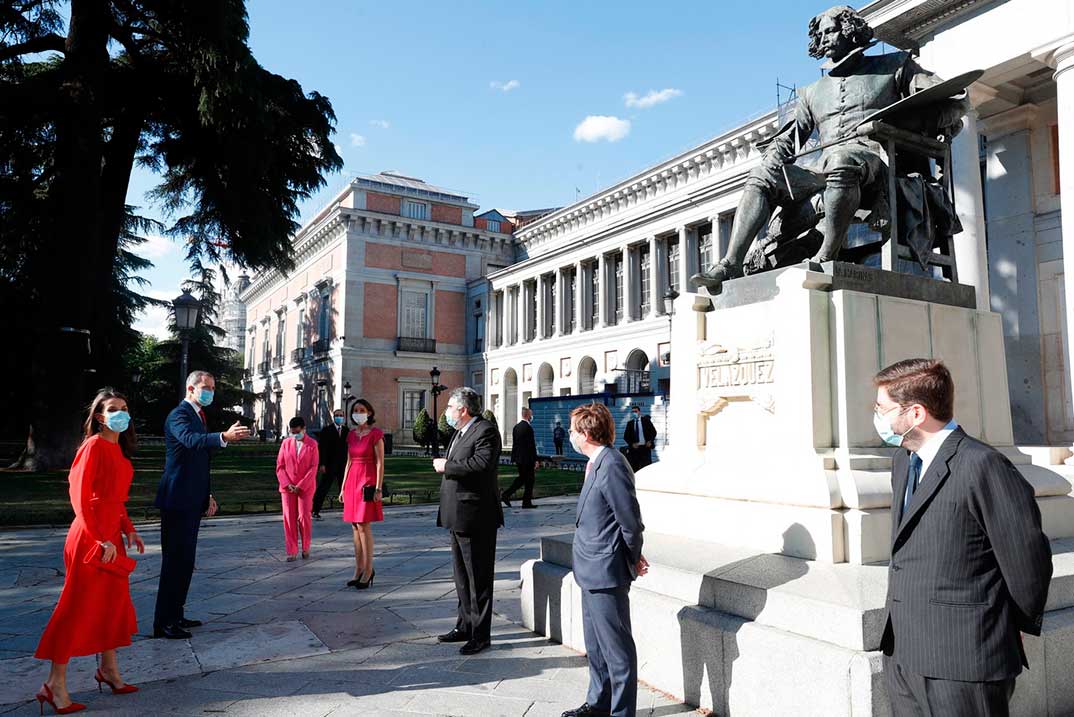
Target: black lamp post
<point x="186" y="309"/>
<point x="437" y="390"/>
<point x="298" y="399"/>
<point x="347" y="398"/>
<point x="669" y="308"/>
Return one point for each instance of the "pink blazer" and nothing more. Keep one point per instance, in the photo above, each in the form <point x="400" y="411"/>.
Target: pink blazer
<point x="294" y="468"/>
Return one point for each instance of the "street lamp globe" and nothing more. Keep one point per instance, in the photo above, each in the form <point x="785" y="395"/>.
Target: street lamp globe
<point x="186" y="309"/>
<point x="435" y="375"/>
<point x="669" y="300"/>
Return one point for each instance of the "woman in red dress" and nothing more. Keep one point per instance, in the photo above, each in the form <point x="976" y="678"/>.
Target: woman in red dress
<point x="361" y="491"/>
<point x="95" y="613"/>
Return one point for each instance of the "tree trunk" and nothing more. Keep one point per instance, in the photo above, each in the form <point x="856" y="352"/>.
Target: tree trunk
<point x="61" y="351"/>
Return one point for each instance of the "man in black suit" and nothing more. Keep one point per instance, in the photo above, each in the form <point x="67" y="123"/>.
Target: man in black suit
<point x="640" y="437"/>
<point x="523" y="455"/>
<point x="558" y="436"/>
<point x="332" y="443"/>
<point x="470" y="510"/>
<point x="970" y="566"/>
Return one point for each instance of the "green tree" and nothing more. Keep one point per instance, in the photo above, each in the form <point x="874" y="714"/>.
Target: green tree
<point x="422" y="432"/>
<point x="489" y="416"/>
<point x="166" y="83"/>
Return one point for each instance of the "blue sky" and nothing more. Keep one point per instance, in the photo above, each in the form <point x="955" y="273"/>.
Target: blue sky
<point x="488" y="97"/>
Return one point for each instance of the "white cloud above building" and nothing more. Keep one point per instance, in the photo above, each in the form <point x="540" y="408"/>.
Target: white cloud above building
<point x="650" y="98"/>
<point x="505" y="86"/>
<point x="357" y="140"/>
<point x="601" y="128"/>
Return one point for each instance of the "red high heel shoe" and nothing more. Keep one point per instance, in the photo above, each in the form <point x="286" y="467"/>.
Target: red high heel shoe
<point x="124" y="690"/>
<point x="45" y="695"/>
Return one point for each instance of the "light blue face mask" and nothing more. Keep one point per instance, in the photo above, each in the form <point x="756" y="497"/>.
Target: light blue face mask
<point x="117" y="421"/>
<point x="299" y="436"/>
<point x="882" y="424"/>
<point x="452" y="418"/>
<point x="205" y="397"/>
<point x="338" y="420"/>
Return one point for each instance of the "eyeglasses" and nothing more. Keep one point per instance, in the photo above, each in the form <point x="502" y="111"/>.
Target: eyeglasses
<point x="878" y="409"/>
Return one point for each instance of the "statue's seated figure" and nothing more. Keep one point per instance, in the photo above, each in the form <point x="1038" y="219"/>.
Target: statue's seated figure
<point x="851" y="174"/>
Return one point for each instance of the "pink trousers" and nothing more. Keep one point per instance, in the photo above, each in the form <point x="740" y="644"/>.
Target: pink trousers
<point x="297" y="514"/>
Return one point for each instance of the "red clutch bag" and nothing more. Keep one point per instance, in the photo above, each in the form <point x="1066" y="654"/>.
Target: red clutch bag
<point x="121" y="567"/>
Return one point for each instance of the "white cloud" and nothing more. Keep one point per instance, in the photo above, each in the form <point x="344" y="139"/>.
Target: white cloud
<point x="357" y="140"/>
<point x="650" y="98"/>
<point x="154" y="320"/>
<point x="505" y="86"/>
<point x="595" y="128"/>
<point x="155" y="247"/>
<point x="380" y="124"/>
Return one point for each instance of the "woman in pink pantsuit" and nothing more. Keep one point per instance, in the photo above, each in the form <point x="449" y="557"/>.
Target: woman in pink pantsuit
<point x="363" y="482"/>
<point x="296" y="470"/>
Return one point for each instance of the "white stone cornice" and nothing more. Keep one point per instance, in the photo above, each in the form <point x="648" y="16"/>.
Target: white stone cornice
<point x="1013" y="120"/>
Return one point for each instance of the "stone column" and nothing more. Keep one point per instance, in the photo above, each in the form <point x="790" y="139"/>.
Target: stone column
<point x="971" y="258"/>
<point x="519" y="313"/>
<point x="630" y="288"/>
<point x="581" y="296"/>
<point x="561" y="302"/>
<point x="656" y="278"/>
<point x="602" y="291"/>
<point x="542" y="292"/>
<point x="687" y="259"/>
<point x="1064" y="81"/>
<point x="1013" y="276"/>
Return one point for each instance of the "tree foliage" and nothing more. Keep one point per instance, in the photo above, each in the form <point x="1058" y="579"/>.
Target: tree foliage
<point x="423" y="429"/>
<point x="89" y="88"/>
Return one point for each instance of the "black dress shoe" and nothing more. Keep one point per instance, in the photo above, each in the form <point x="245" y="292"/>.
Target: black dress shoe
<point x="455" y="635"/>
<point x="474" y="646"/>
<point x="586" y="710"/>
<point x="528" y="506"/>
<point x="317" y="516"/>
<point x="171" y="632"/>
<point x="187" y="624"/>
<point x="506" y="500"/>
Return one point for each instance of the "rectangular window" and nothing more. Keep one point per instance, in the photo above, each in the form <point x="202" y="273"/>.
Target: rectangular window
<point x="568" y="300"/>
<point x="281" y="325"/>
<point x="645" y="274"/>
<point x="726" y="221"/>
<point x="550" y="307"/>
<point x="705" y="251"/>
<point x="300" y="329"/>
<point x="413" y="402"/>
<point x="617" y="288"/>
<point x="594" y="294"/>
<point x="531" y="311"/>
<point x="324" y="316"/>
<point x="415" y="210"/>
<point x="415" y="313"/>
<point x="673" y="263"/>
<point x="493" y="225"/>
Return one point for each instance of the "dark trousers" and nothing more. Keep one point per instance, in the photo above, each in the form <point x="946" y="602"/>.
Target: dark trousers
<point x="912" y="695"/>
<point x="527" y="476"/>
<point x="559" y="447"/>
<point x="178" y="549"/>
<point x="609" y="646"/>
<point x="324" y="484"/>
<point x="474" y="556"/>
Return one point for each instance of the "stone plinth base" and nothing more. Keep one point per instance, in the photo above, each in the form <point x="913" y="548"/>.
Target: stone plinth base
<point x="743" y="633"/>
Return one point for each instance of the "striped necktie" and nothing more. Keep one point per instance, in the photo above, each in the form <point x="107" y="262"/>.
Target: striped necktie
<point x="913" y="475"/>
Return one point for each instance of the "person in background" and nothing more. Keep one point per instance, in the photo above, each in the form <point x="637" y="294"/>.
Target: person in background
<point x="95" y="614"/>
<point x="606" y="559"/>
<point x="524" y="456"/>
<point x="332" y="445"/>
<point x="362" y="490"/>
<point x="970" y="566"/>
<point x="184" y="496"/>
<point x="296" y="470"/>
<point x="470" y="510"/>
<point x="640" y="437"/>
<point x="558" y="436"/>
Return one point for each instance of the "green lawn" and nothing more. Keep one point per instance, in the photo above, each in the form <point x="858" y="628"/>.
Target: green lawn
<point x="244" y="481"/>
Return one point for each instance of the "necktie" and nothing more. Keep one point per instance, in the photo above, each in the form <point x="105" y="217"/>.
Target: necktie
<point x="913" y="475"/>
<point x="204" y="422"/>
<point x="588" y="469"/>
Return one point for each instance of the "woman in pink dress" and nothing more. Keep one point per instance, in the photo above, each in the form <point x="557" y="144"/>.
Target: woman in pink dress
<point x="361" y="491"/>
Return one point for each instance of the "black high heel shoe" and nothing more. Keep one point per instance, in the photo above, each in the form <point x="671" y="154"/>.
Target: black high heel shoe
<point x="364" y="585"/>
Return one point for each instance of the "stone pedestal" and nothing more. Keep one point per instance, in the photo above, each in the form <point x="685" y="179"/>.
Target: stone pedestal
<point x="767" y="519"/>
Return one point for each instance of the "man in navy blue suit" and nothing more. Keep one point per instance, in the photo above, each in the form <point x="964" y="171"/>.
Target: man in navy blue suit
<point x="607" y="557"/>
<point x="183" y="497"/>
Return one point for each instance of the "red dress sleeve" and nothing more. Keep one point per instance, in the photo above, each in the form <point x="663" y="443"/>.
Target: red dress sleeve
<point x="83" y="480"/>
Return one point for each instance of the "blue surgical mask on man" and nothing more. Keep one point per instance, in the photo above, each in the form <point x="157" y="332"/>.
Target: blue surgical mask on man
<point x="452" y="417"/>
<point x="338" y="420"/>
<point x="882" y="424"/>
<point x="117" y="421"/>
<point x="204" y="397"/>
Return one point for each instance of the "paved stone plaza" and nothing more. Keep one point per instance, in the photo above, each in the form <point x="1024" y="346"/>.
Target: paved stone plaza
<point x="290" y="639"/>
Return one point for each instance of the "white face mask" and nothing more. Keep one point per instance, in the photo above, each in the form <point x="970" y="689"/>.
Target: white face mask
<point x="360" y="418"/>
<point x="577" y="441"/>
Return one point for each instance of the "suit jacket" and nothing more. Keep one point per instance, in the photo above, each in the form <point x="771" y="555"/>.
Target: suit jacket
<point x="648" y="431"/>
<point x="333" y="448"/>
<point x="608" y="527"/>
<point x="970" y="567"/>
<point x="469" y="493"/>
<point x="523" y="445"/>
<point x="188" y="448"/>
<point x="295" y="468"/>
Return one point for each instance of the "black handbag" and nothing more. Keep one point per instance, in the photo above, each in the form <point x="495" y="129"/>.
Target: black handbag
<point x="369" y="493"/>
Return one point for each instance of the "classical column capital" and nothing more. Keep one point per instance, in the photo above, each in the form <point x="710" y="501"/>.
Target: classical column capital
<point x="1057" y="54"/>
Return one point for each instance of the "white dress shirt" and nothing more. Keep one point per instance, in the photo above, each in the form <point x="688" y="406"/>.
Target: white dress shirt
<point x="931" y="447"/>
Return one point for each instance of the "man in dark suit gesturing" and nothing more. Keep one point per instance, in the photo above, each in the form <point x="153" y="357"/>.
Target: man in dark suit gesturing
<point x="470" y="510"/>
<point x="523" y="455"/>
<point x="183" y="497"/>
<point x="606" y="557"/>
<point x="970" y="566"/>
